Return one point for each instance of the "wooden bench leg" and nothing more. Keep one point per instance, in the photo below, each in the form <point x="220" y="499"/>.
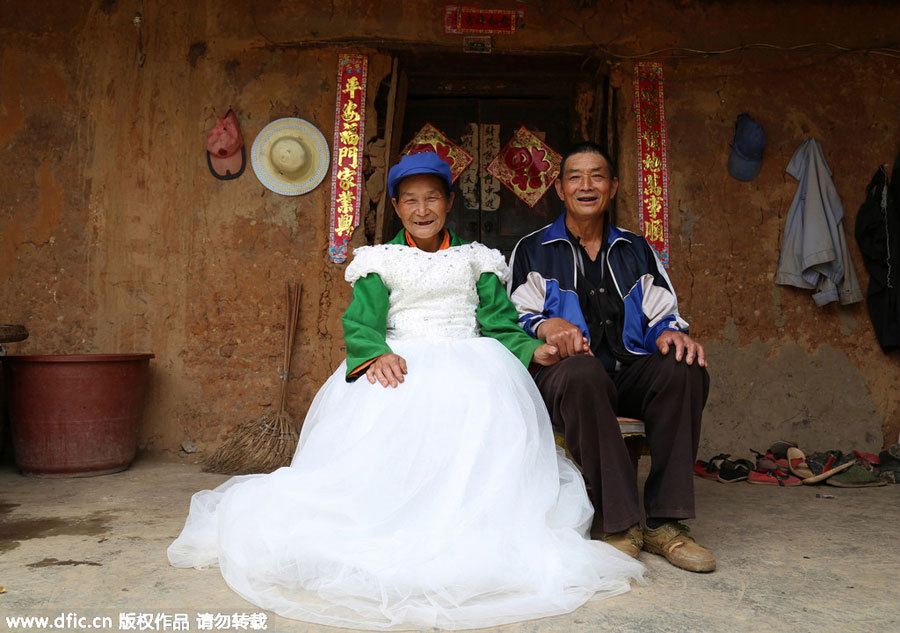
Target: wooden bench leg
<point x="635" y="446"/>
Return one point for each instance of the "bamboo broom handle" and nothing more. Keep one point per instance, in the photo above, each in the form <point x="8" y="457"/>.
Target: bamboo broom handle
<point x="295" y="318"/>
<point x="284" y="357"/>
<point x="291" y="331"/>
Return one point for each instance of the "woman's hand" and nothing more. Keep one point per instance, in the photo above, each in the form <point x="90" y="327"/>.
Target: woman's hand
<point x="564" y="336"/>
<point x="388" y="369"/>
<point x="546" y="355"/>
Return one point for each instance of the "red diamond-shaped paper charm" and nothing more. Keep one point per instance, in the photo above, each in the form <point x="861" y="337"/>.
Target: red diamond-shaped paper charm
<point x="526" y="165"/>
<point x="431" y="139"/>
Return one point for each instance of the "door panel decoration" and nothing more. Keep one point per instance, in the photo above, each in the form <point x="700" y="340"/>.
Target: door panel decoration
<point x="431" y="139"/>
<point x="652" y="141"/>
<point x="347" y="163"/>
<point x="489" y="147"/>
<point x="527" y="166"/>
<point x="469" y="181"/>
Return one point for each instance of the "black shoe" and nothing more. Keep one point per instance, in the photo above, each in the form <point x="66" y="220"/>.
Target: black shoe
<point x="734" y="470"/>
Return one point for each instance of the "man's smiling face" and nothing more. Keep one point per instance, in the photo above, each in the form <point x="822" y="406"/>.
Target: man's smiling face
<point x="586" y="186"/>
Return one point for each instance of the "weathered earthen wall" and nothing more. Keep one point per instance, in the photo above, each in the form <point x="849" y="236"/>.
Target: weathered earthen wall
<point x="781" y="367"/>
<point x="114" y="237"/>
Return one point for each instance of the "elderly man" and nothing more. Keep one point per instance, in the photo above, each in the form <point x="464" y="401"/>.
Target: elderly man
<point x="600" y="295"/>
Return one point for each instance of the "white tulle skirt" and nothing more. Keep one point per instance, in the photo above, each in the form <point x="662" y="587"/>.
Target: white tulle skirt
<point x="442" y="503"/>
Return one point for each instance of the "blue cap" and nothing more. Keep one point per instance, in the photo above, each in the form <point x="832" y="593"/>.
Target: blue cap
<point x="423" y="163"/>
<point x="746" y="148"/>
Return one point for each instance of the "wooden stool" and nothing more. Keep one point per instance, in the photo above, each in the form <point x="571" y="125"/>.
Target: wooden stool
<point x="632" y="432"/>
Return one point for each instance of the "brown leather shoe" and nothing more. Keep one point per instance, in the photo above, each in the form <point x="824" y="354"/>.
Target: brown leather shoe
<point x="672" y="541"/>
<point x="629" y="541"/>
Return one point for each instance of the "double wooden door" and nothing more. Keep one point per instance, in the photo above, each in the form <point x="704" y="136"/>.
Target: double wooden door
<point x="485" y="210"/>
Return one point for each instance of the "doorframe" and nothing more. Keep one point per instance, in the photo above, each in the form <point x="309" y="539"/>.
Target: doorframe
<point x="428" y="74"/>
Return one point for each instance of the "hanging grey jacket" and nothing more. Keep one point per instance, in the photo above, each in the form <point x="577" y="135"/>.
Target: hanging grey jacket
<point x="814" y="252"/>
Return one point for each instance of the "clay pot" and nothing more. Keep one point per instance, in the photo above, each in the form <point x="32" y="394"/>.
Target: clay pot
<point x="75" y="415"/>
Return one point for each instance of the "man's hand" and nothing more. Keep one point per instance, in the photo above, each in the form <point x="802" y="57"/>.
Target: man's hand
<point x="682" y="343"/>
<point x="388" y="369"/>
<point x="546" y="355"/>
<point x="564" y="336"/>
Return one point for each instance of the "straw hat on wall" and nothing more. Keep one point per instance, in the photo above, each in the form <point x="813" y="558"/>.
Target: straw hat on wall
<point x="290" y="156"/>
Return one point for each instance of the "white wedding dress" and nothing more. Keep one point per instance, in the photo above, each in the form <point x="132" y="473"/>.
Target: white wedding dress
<point x="441" y="503"/>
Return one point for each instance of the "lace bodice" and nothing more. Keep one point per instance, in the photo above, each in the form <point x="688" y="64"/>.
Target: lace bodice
<point x="431" y="294"/>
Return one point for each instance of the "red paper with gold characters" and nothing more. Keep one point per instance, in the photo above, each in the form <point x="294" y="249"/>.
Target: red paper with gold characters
<point x="431" y="139"/>
<point x="347" y="163"/>
<point x="526" y="165"/>
<point x="460" y="19"/>
<point x="653" y="173"/>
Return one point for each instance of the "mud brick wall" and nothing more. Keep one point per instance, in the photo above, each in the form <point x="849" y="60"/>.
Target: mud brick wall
<point x="115" y="238"/>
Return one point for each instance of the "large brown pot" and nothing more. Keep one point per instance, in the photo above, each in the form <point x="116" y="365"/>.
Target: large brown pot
<point x="75" y="415"/>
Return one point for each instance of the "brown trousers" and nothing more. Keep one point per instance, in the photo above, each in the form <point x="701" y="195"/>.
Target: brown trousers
<point x="584" y="400"/>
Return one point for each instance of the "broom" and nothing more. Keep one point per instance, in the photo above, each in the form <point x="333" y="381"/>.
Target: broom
<point x="269" y="442"/>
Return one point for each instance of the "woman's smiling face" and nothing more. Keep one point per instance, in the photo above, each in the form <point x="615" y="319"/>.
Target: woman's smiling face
<point x="423" y="204"/>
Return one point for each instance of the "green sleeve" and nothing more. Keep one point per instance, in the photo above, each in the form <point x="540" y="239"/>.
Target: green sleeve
<point x="365" y="321"/>
<point x="497" y="317"/>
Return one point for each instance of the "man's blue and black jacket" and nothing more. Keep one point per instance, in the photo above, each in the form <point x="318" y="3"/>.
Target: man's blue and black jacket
<point x="544" y="284"/>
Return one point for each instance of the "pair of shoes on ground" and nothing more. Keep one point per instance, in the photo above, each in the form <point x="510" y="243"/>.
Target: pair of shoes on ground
<point x="710" y="469"/>
<point x="671" y="540"/>
<point x="723" y="468"/>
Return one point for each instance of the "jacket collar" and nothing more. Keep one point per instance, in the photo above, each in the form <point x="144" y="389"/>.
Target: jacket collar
<point x="557" y="231"/>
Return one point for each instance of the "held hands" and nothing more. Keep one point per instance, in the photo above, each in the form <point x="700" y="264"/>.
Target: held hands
<point x="388" y="369"/>
<point x="565" y="337"/>
<point x="684" y="345"/>
<point x="546" y="355"/>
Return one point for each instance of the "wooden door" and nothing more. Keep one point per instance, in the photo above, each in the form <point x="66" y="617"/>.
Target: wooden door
<point x="485" y="210"/>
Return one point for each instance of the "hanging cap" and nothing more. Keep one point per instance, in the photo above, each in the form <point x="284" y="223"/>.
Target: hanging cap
<point x="746" y="148"/>
<point x="225" y="155"/>
<point x="423" y="163"/>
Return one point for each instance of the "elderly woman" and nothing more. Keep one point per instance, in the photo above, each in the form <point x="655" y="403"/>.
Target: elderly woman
<point x="430" y="493"/>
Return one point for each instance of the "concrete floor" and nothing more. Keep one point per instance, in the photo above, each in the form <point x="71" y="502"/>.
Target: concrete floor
<point x="788" y="560"/>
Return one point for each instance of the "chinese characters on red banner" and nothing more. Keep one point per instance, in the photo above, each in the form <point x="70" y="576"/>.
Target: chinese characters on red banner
<point x="653" y="175"/>
<point x="465" y="19"/>
<point x="346" y="168"/>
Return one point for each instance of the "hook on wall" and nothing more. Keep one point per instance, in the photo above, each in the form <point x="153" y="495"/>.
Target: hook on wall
<point x="137" y="20"/>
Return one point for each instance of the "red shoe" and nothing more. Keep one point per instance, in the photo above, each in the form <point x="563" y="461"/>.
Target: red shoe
<point x="710" y="469"/>
<point x="773" y="478"/>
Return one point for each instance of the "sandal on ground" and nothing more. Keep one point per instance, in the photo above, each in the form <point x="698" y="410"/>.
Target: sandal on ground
<point x="821" y="465"/>
<point x="735" y="470"/>
<point x="710" y="469"/>
<point x="797" y="462"/>
<point x="857" y="476"/>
